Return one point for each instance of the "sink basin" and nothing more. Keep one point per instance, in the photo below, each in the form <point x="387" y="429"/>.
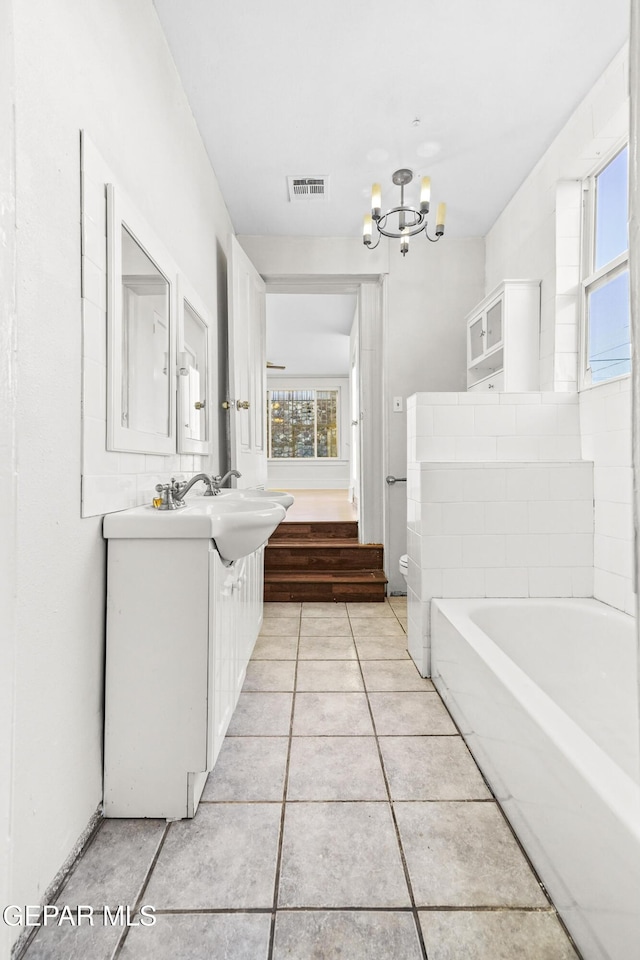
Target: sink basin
<point x="276" y="496"/>
<point x="238" y="525"/>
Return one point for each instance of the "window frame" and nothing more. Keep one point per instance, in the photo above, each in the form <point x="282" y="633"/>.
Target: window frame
<point x="337" y="388"/>
<point x="591" y="279"/>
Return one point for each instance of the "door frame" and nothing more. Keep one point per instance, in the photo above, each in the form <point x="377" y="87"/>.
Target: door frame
<point x="370" y="290"/>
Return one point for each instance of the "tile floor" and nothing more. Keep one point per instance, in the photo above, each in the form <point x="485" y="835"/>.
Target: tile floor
<point x="345" y="818"/>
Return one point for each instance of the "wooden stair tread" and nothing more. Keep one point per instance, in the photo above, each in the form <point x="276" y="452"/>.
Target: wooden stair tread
<point x="343" y="542"/>
<point x="356" y="576"/>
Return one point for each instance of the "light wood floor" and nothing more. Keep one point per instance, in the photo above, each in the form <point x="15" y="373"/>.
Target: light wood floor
<point x="320" y="505"/>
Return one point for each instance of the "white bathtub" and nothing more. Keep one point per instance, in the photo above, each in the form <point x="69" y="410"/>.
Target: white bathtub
<point x="546" y="695"/>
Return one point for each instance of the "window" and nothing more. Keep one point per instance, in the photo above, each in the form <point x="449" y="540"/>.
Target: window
<point x="303" y="423"/>
<point x="606" y="287"/>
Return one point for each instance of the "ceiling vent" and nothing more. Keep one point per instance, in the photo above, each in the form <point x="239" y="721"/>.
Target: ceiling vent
<point x="308" y="188"/>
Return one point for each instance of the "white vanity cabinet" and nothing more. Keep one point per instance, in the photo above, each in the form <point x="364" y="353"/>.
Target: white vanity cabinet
<point x="503" y="339"/>
<point x="181" y="626"/>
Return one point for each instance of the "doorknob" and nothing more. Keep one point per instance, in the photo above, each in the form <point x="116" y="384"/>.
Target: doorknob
<point x="391" y="480"/>
<point x="243" y="405"/>
<point x="200" y="404"/>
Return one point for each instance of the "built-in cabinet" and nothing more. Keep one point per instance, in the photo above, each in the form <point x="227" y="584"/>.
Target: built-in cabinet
<point x="181" y="626"/>
<point x="503" y="339"/>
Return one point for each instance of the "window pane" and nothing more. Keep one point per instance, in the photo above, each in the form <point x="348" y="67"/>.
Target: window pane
<point x="292" y="423"/>
<point x="327" y="401"/>
<point x="612" y="210"/>
<point x="609" y="347"/>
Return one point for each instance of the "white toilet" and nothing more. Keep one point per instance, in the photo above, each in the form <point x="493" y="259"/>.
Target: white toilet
<point x="404" y="559"/>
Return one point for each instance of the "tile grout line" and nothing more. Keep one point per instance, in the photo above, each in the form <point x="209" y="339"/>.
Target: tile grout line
<point x="285" y="787"/>
<point x="145" y="883"/>
<point x="414" y="909"/>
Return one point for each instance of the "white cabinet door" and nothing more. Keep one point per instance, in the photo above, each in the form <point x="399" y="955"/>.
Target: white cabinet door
<point x="247" y="368"/>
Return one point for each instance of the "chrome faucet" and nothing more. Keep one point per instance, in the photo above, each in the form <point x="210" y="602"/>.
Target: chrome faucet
<point x="218" y="481"/>
<point x="172" y="494"/>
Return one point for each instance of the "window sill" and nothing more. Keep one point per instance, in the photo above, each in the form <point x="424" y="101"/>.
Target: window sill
<point x="603" y="383"/>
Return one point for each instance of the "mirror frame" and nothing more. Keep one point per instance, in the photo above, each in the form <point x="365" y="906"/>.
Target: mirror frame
<point x="186" y="293"/>
<point x="120" y="212"/>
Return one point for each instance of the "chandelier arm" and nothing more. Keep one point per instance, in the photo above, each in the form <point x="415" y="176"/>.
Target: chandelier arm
<point x="372" y="246"/>
<point x="415" y="226"/>
<point x="432" y="239"/>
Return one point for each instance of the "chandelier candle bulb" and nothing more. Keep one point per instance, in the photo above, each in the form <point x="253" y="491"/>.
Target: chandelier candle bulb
<point x="376" y="201"/>
<point x="367" y="230"/>
<point x="440" y="217"/>
<point x="425" y="194"/>
<point x="404" y="246"/>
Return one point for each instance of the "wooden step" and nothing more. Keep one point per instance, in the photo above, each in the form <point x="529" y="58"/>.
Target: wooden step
<point x="316" y="530"/>
<point x="299" y="556"/>
<point x="364" y="585"/>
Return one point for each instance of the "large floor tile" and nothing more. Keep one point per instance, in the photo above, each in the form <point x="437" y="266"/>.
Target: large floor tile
<point x="410" y="714"/>
<point x="325" y="627"/>
<point x="375" y="627"/>
<point x="327" y="648"/>
<point x="335" y="768"/>
<point x="341" y="855"/>
<point x="275" y="609"/>
<point x="494" y="935"/>
<point x="249" y="768"/>
<point x="74" y="943"/>
<point x="431" y="768"/>
<point x="115" y="865"/>
<point x="275" y="648"/>
<point x="393" y="675"/>
<point x="261" y="715"/>
<point x="382" y="648"/>
<point x="327" y="609"/>
<point x="225" y="858"/>
<point x="221" y="936"/>
<point x="331" y="715"/>
<point x="348" y="935"/>
<point x="370" y="610"/>
<point x="463" y="854"/>
<point x="280" y="627"/>
<point x="329" y="675"/>
<point x="269" y="675"/>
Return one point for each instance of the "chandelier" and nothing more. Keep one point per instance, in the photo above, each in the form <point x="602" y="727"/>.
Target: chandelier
<point x="410" y="221"/>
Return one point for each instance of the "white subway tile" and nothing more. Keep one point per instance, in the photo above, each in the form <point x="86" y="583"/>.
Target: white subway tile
<point x="568" y="419"/>
<point x="431" y="519"/>
<point x="507" y="582"/>
<point x="463" y="518"/>
<point x="483" y="551"/>
<point x="424" y="421"/>
<point x="442" y="486"/>
<point x="524" y="449"/>
<point x="573" y="482"/>
<point x="96" y="459"/>
<point x="613" y="483"/>
<point x="534" y="421"/>
<point x="614" y="519"/>
<point x="430" y="584"/>
<point x="507" y="516"/>
<point x="495" y="421"/>
<point x="463" y="583"/>
<point x="567" y="310"/>
<point x="94" y="389"/>
<point x="550" y="582"/>
<point x="94" y="333"/>
<point x="478" y="398"/>
<point x="453" y="421"/>
<point x="435" y="397"/>
<point x="613" y="555"/>
<point x="441" y="552"/>
<point x="571" y="549"/>
<point x="484" y="484"/>
<point x="94" y="244"/>
<point x="435" y="449"/>
<point x="560" y="448"/>
<point x="528" y="483"/>
<point x="518" y="399"/>
<point x="613" y="448"/>
<point x="94" y="284"/>
<point x="528" y="550"/>
<point x="610" y="588"/>
<point x="582" y="581"/>
<point x="475" y="448"/>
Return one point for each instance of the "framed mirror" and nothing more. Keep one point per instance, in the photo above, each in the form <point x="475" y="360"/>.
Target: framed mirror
<point x="194" y="387"/>
<point x="141" y="297"/>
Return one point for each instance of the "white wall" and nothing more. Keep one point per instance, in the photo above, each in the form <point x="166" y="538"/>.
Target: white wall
<point x="538" y="235"/>
<point x="102" y="66"/>
<point x="429" y="293"/>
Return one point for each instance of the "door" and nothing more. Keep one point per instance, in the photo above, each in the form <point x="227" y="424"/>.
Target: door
<point x="354" y="389"/>
<point x="247" y="369"/>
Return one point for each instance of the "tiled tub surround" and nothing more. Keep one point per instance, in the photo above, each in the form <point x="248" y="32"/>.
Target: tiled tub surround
<point x="605" y="417"/>
<point x="345" y="817"/>
<point x="560" y="677"/>
<point x="495" y="530"/>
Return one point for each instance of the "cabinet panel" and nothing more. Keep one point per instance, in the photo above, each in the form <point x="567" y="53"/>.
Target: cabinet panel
<point x="503" y="337"/>
<point x="494" y="325"/>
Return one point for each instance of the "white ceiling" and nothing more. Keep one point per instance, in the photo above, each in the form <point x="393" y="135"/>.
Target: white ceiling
<point x="309" y="333"/>
<point x="287" y="87"/>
